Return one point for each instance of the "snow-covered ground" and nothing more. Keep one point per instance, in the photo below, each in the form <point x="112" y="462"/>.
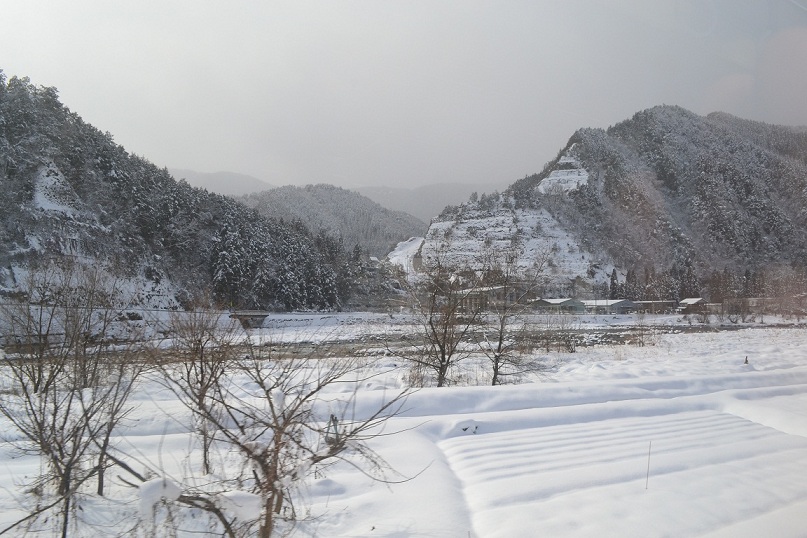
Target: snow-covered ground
<point x="726" y="445"/>
<point x="677" y="438"/>
<point x="52" y="192"/>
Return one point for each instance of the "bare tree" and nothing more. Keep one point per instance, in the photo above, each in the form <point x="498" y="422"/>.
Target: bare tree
<point x="642" y="329"/>
<point x="447" y="303"/>
<point x="738" y="309"/>
<point x="558" y="330"/>
<point x="703" y="316"/>
<point x="276" y="414"/>
<point x="66" y="393"/>
<point x="566" y="331"/>
<point x="124" y="370"/>
<point x="203" y="342"/>
<point x="276" y="419"/>
<point x="509" y="289"/>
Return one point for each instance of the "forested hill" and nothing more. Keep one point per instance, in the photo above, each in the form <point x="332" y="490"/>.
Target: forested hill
<point x="69" y="190"/>
<point x="669" y="186"/>
<point x="341" y="213"/>
<point x="703" y="201"/>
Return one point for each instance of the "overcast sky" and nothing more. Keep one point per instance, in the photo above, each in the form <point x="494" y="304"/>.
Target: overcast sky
<point x="398" y="93"/>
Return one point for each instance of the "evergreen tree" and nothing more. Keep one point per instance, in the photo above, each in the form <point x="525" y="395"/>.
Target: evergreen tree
<point x="614" y="285"/>
<point x="632" y="291"/>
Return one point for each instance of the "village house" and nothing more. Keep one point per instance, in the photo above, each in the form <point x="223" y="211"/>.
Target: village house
<point x="566" y="305"/>
<point x="486" y="297"/>
<point x="609" y="306"/>
<point x="692" y="305"/>
<point x="790" y="305"/>
<point x="656" y="307"/>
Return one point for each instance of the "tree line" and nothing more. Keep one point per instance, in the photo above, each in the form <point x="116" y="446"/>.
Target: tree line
<point x="718" y="286"/>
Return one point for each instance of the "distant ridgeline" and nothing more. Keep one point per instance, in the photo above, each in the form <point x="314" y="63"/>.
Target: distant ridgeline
<point x="69" y="190"/>
<point x="678" y="203"/>
<point x="343" y="213"/>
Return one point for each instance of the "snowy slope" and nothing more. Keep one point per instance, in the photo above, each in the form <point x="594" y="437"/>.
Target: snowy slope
<point x="568" y="175"/>
<point x="664" y="190"/>
<point x="52" y="192"/>
<point x="404" y="252"/>
<point x="463" y="236"/>
<point x="536" y="235"/>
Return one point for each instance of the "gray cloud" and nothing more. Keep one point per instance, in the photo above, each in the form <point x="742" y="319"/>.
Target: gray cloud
<point x="398" y="93"/>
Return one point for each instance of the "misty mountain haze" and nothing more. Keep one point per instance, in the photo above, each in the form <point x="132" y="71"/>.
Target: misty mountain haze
<point x="427" y="201"/>
<point x="423" y="202"/>
<point x="403" y="94"/>
<point x="226" y="183"/>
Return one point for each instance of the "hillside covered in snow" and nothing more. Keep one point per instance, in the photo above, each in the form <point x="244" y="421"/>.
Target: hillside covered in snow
<point x="70" y="192"/>
<point x="678" y="203"/>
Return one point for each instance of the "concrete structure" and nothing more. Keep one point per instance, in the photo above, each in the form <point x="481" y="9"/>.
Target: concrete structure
<point x="250" y="319"/>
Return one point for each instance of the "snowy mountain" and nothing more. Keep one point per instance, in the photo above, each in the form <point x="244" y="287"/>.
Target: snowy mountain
<point x="354" y="218"/>
<point x="666" y="204"/>
<point x="70" y="192"/>
<point x="678" y="203"/>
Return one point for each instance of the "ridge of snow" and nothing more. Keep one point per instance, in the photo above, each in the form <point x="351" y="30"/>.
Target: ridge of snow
<point x="152" y="491"/>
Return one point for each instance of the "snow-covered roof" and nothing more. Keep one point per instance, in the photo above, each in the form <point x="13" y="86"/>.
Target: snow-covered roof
<point x="558" y="301"/>
<point x="691" y="301"/>
<point x="604" y="302"/>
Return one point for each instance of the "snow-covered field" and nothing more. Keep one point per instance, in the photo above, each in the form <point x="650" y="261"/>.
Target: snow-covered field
<point x="727" y="446"/>
<point x="679" y="438"/>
